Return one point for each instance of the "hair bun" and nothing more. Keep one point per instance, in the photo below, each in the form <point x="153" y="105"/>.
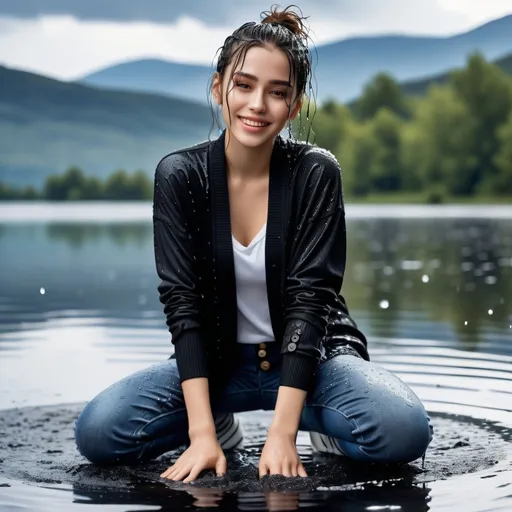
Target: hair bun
<point x="289" y="19"/>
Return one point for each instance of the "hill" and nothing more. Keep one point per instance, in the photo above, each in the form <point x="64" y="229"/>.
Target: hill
<point x="342" y="67"/>
<point x="419" y="87"/>
<point x="158" y="76"/>
<point x="47" y="125"/>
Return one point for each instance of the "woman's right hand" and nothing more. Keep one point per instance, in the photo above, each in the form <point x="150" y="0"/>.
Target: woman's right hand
<point x="204" y="452"/>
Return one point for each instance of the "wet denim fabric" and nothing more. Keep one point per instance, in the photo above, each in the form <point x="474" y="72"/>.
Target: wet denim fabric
<point x="370" y="412"/>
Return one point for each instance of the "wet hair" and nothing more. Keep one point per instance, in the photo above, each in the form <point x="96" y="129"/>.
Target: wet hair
<point x="287" y="31"/>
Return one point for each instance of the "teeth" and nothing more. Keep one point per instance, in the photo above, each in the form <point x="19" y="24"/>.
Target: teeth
<point x="252" y="123"/>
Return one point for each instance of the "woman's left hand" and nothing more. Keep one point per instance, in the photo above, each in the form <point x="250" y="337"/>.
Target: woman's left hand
<point x="279" y="456"/>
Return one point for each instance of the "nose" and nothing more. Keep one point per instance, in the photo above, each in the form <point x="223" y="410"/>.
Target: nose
<point x="257" y="103"/>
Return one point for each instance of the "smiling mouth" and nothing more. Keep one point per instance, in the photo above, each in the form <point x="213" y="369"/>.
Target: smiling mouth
<point x="254" y="124"/>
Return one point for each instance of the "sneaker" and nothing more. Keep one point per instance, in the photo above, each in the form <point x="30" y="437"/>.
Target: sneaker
<point x="230" y="433"/>
<point x="324" y="444"/>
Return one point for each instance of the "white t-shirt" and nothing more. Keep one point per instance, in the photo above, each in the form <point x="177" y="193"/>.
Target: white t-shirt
<point x="253" y="314"/>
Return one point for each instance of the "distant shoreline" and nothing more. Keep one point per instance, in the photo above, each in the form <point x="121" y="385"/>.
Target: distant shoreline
<point x="141" y="211"/>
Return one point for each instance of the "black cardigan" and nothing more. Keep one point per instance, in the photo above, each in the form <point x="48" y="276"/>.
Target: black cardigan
<point x="305" y="258"/>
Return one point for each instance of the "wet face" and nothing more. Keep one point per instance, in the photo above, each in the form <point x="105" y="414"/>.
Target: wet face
<point x="259" y="94"/>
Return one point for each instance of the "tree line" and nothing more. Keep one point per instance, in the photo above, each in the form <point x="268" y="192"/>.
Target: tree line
<point x="74" y="185"/>
<point x="456" y="141"/>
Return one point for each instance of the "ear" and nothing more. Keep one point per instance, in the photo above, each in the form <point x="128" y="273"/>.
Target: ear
<point x="296" y="110"/>
<point x="217" y="88"/>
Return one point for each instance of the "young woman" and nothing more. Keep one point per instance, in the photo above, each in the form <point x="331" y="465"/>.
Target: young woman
<point x="250" y="246"/>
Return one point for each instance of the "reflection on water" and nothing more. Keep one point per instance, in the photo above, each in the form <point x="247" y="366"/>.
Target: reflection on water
<point x="412" y="498"/>
<point x="79" y="309"/>
<point x="441" y="279"/>
<point x="436" y="278"/>
<point x="120" y="235"/>
<point x="400" y="496"/>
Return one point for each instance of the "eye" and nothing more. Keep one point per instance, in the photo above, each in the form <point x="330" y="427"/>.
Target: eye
<point x="242" y="85"/>
<point x="280" y="93"/>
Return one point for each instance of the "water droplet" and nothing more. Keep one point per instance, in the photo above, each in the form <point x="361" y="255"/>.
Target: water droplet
<point x="490" y="312"/>
<point x="425" y="278"/>
<point x="42" y="291"/>
<point x="384" y="304"/>
<point x="466" y="322"/>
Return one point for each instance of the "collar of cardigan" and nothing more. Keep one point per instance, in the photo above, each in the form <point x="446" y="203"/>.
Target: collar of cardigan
<point x="277" y="223"/>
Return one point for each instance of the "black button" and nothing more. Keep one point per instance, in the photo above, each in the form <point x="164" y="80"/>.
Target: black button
<point x="292" y="346"/>
<point x="295" y="338"/>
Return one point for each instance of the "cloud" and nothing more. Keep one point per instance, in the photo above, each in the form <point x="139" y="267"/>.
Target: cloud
<point x="477" y="12"/>
<point x="224" y="12"/>
<point x="63" y="47"/>
<point x="159" y="11"/>
<point x="219" y="12"/>
<point x="67" y="39"/>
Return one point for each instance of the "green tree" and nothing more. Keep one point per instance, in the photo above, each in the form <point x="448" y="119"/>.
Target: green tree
<point x="65" y="187"/>
<point x="53" y="189"/>
<point x="356" y="156"/>
<point x="330" y="125"/>
<point x="386" y="167"/>
<point x="117" y="185"/>
<point x="381" y="92"/>
<point x="9" y="193"/>
<point x="502" y="183"/>
<point x="141" y="186"/>
<point x="74" y="178"/>
<point x="92" y="189"/>
<point x="437" y="152"/>
<point x="29" y="193"/>
<point x="485" y="90"/>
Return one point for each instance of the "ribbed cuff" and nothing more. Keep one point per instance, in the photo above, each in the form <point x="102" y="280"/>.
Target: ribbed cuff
<point x="298" y="371"/>
<point x="301" y="337"/>
<point x="191" y="355"/>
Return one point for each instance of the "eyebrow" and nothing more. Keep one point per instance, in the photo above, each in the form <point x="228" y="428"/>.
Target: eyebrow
<point x="273" y="82"/>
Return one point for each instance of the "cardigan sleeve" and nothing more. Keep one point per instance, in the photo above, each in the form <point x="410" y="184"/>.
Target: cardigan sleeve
<point x="316" y="268"/>
<point x="174" y="258"/>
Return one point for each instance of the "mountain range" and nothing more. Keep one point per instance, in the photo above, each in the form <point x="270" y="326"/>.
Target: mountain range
<point x="341" y="68"/>
<point x="419" y="87"/>
<point x="47" y="125"/>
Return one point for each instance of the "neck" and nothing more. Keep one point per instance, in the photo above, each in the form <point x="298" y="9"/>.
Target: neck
<point x="243" y="162"/>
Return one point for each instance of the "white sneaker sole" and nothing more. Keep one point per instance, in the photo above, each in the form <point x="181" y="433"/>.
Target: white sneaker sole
<point x="324" y="444"/>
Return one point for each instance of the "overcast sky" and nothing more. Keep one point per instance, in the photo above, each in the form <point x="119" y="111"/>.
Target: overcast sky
<point x="69" y="38"/>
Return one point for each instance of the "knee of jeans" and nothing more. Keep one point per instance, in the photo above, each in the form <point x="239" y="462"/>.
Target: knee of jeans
<point x="406" y="437"/>
<point x="91" y="436"/>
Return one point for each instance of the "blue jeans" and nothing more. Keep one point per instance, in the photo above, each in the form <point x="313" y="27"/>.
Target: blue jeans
<point x="372" y="415"/>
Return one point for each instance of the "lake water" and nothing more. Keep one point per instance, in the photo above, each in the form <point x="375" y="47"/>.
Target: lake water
<point x="431" y="287"/>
